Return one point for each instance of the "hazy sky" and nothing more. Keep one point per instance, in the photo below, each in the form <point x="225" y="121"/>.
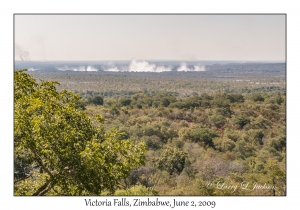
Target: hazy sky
<point x="150" y="37"/>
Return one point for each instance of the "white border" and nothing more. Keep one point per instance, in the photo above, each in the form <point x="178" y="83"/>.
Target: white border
<point x="8" y="8"/>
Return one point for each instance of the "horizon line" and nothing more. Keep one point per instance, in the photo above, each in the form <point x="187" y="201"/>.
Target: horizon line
<point x="277" y="61"/>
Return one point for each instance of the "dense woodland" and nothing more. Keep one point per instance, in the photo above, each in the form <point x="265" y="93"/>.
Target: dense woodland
<point x="195" y="133"/>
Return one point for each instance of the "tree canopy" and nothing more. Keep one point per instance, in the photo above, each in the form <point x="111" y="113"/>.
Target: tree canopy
<point x="57" y="148"/>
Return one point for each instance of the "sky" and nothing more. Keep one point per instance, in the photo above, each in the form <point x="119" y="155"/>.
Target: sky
<point x="149" y="37"/>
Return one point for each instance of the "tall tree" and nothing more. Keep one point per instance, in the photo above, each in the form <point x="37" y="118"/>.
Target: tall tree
<point x="58" y="151"/>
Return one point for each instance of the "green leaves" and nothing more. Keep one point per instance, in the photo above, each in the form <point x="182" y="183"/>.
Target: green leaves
<point x="172" y="160"/>
<point x="80" y="159"/>
<point x="109" y="161"/>
<point x="203" y="135"/>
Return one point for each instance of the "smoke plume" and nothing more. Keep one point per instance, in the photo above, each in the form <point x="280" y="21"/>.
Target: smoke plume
<point x="134" y="66"/>
<point x="22" y="54"/>
<point x="139" y="66"/>
<point x="79" y="68"/>
<point x="114" y="69"/>
<point x="183" y="67"/>
<point x="32" y="69"/>
<point x="143" y="66"/>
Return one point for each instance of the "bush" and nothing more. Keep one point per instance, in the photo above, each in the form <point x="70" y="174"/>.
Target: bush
<point x="241" y="121"/>
<point x="172" y="160"/>
<point x="137" y="190"/>
<point x="257" y="97"/>
<point x="125" y="101"/>
<point x="204" y="136"/>
<point x="236" y="98"/>
<point x="218" y="120"/>
<point x="97" y="100"/>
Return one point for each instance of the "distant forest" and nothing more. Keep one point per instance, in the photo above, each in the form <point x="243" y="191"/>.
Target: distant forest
<point x="201" y="131"/>
<point x="228" y="78"/>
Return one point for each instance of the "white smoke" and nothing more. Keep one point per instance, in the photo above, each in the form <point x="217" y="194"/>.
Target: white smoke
<point x="143" y="66"/>
<point x="32" y="69"/>
<point x="79" y="68"/>
<point x="134" y="66"/>
<point x="139" y="66"/>
<point x="183" y="67"/>
<point x="114" y="69"/>
<point x="199" y="68"/>
<point x="91" y="68"/>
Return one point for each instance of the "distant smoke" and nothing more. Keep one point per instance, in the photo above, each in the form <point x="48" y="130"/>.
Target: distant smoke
<point x="79" y="68"/>
<point x="134" y="66"/>
<point x="22" y="54"/>
<point x="91" y="68"/>
<point x="139" y="66"/>
<point x="183" y="67"/>
<point x="32" y="69"/>
<point x="115" y="69"/>
<point x="112" y="67"/>
<point x="144" y="66"/>
<point x="199" y="68"/>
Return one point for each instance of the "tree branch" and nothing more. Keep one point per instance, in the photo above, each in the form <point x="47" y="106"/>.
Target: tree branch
<point x="26" y="177"/>
<point x="40" y="162"/>
<point x="41" y="190"/>
<point x="46" y="190"/>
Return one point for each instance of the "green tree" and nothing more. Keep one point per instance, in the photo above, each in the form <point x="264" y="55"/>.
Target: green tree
<point x="218" y="120"/>
<point x="257" y="97"/>
<point x="58" y="151"/>
<point x="236" y="98"/>
<point x="204" y="136"/>
<point x="276" y="175"/>
<point x="125" y="101"/>
<point x="279" y="100"/>
<point x="97" y="100"/>
<point x="172" y="160"/>
<point x="241" y="121"/>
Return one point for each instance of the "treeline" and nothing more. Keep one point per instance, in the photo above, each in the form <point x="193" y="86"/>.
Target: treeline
<point x="221" y="101"/>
